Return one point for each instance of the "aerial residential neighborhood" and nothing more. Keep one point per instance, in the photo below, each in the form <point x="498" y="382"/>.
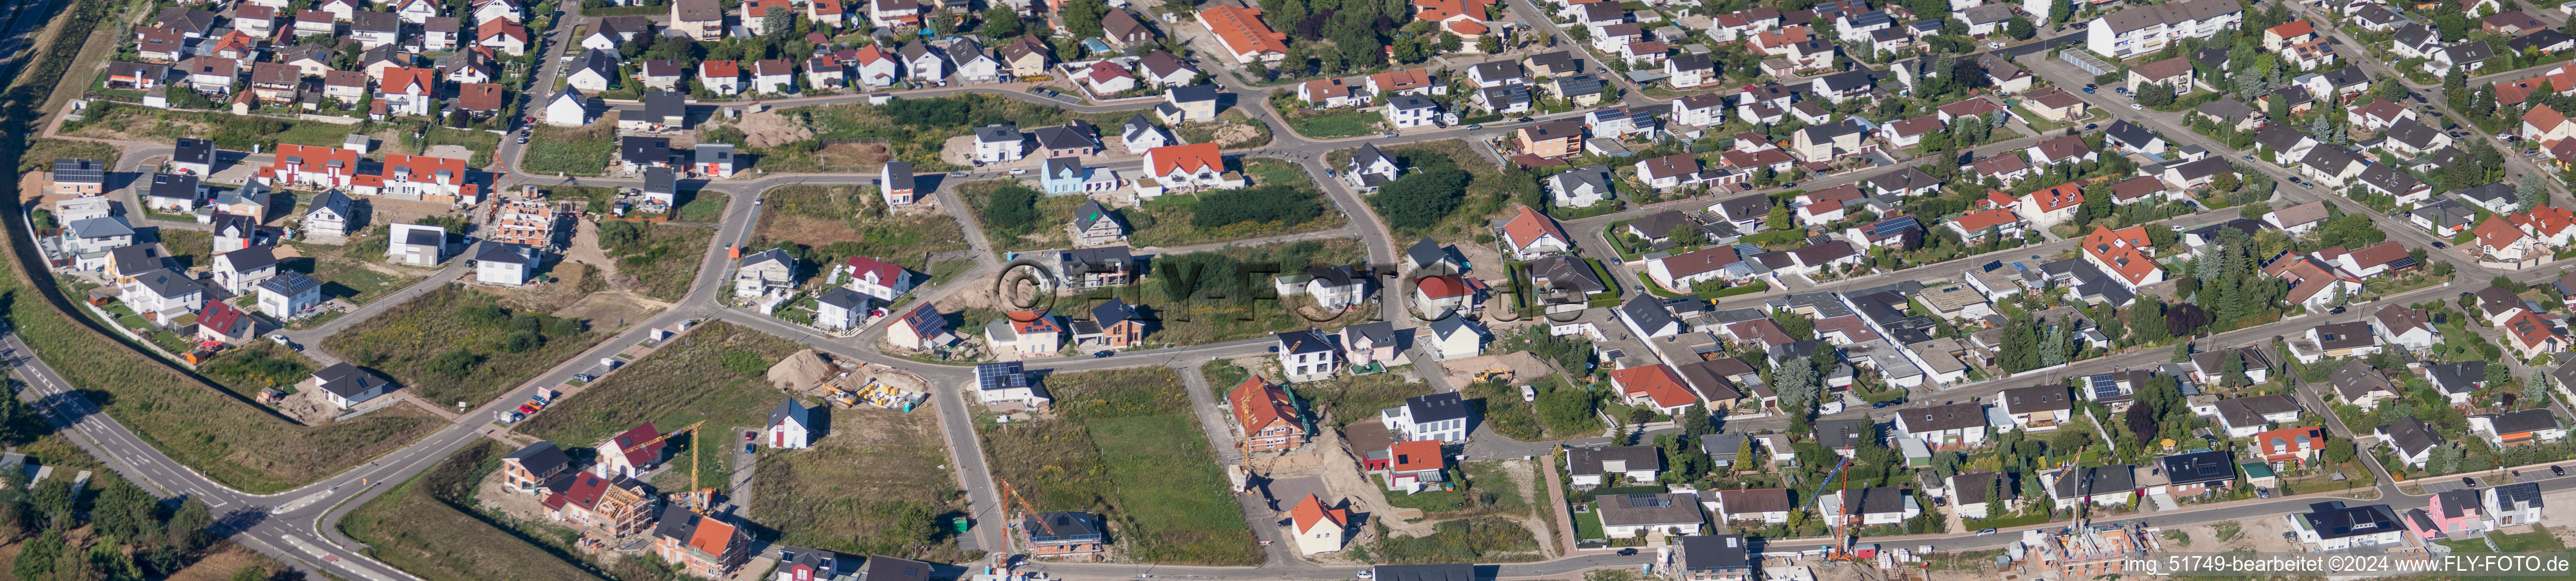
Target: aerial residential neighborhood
<point x="1419" y="290"/>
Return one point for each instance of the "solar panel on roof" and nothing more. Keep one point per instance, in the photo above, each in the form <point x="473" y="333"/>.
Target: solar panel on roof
<point x="1893" y="226"/>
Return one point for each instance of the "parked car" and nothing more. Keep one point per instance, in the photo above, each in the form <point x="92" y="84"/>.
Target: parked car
<point x="1019" y="171"/>
<point x="2469" y="481"/>
<point x="2439" y="244"/>
<point x="2137" y="107"/>
<point x="584" y="377"/>
<point x="2335" y="311"/>
<point x="2557" y="471"/>
<point x="748" y="435"/>
<point x="1391" y="135"/>
<point x="1103" y="354"/>
<point x="1475" y="126"/>
<point x="528" y="408"/>
<point x="2262" y="493"/>
<point x="2088" y="89"/>
<point x="746" y="448"/>
<point x="1985" y="531"/>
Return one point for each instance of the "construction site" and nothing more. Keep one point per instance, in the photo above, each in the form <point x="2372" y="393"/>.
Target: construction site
<point x="848" y="383"/>
<point x="529" y="219"/>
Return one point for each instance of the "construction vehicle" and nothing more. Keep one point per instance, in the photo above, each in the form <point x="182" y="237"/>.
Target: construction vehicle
<point x="1492" y="375"/>
<point x="1841" y="549"/>
<point x="843" y="397"/>
<point x="698" y="500"/>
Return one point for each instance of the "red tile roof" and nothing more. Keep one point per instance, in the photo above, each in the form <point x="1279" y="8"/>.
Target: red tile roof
<point x="1242" y="31"/>
<point x="2057" y="198"/>
<point x="2121" y="252"/>
<point x="1441" y="287"/>
<point x="2497" y="233"/>
<point x="1311" y="511"/>
<point x="1529" y="225"/>
<point x="1415" y="455"/>
<point x="1258" y="405"/>
<point x="1980" y="220"/>
<point x="1656" y="381"/>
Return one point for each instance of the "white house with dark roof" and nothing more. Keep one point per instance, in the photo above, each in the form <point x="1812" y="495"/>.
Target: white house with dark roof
<point x="2036" y="408"/>
<point x="1591" y="466"/>
<point x="240" y="271"/>
<point x="2532" y="426"/>
<point x="417" y="245"/>
<point x="2409" y="439"/>
<point x="1440" y="416"/>
<point x="791" y="426"/>
<point x="162" y="295"/>
<point x="346" y="385"/>
<point x="290" y="295"/>
<point x="1959" y="424"/>
<point x="506" y="264"/>
<point x="1308" y="355"/>
<point x="766" y="273"/>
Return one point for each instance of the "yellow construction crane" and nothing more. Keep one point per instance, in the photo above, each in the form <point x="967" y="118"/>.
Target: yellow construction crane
<point x="694" y="445"/>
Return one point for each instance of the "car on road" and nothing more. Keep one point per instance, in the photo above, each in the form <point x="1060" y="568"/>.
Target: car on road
<point x="757" y="201"/>
<point x="2088" y="89"/>
<point x="1640" y="288"/>
<point x="584" y="377"/>
<point x="2137" y="107"/>
<point x="2247" y="157"/>
<point x="1019" y="171"/>
<point x="2439" y="244"/>
<point x="1365" y="574"/>
<point x="281" y="340"/>
<point x="1789" y="185"/>
<point x="1103" y="354"/>
<point x="523" y="140"/>
<point x="2557" y="471"/>
<point x="1614" y="261"/>
<point x="1475" y="126"/>
<point x="2466" y="293"/>
<point x="1627" y="551"/>
<point x="1522" y="120"/>
<point x="1985" y="531"/>
<point x="1994" y="45"/>
<point x="2090" y="126"/>
<point x="956" y="174"/>
<point x="1391" y="135"/>
<point x="2469" y="481"/>
<point x="2335" y="311"/>
<point x="2307" y="185"/>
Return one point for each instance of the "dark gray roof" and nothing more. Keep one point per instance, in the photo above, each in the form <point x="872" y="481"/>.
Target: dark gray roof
<point x="174" y="186"/>
<point x="1943" y="417"/>
<point x="1743" y="208"/>
<point x="2129" y="133"/>
<point x="790" y="410"/>
<point x="540" y="458"/>
<point x="1721" y="445"/>
<point x="2115" y="479"/>
<point x="506" y="253"/>
<point x="1873" y="500"/>
<point x="2410" y="435"/>
<point x="842" y="297"/>
<point x="1715" y="552"/>
<point x="1436" y="407"/>
<point x="1194" y="93"/>
<point x="2356" y="380"/>
<point x="1587" y="460"/>
<point x="603" y="62"/>
<point x="2522" y="421"/>
<point x="1092" y="213"/>
<point x="168" y="283"/>
<point x="1304" y="341"/>
<point x="661" y="180"/>
<point x="2199" y="467"/>
<point x="1570" y="274"/>
<point x="1426" y="252"/>
<point x="2461" y="377"/>
<point x="2508" y="495"/>
<point x="665" y="104"/>
<point x="348" y="380"/>
<point x="1835" y="434"/>
<point x="2333" y="520"/>
<point x="1073" y="135"/>
<point x="2457" y="502"/>
<point x="289" y="283"/>
<point x="252" y="258"/>
<point x="84" y="171"/>
<point x="193" y="151"/>
<point x="1112" y="312"/>
<point x="2345" y="335"/>
<point x="644" y="150"/>
<point x="884" y="568"/>
<point x="1646" y="312"/>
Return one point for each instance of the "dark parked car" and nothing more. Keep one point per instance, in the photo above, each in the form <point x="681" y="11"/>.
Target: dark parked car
<point x="746" y="448"/>
<point x="2557" y="471"/>
<point x="1103" y="354"/>
<point x="2335" y="311"/>
<point x="2469" y="481"/>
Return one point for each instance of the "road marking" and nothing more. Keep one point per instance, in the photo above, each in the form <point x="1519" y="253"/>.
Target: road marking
<point x="300" y="503"/>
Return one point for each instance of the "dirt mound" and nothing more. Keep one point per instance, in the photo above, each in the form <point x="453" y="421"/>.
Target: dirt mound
<point x="768" y="129"/>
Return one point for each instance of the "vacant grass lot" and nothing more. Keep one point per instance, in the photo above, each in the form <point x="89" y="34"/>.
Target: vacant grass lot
<point x="41" y="153"/>
<point x="715" y="373"/>
<point x="353" y="276"/>
<point x="573" y="151"/>
<point x="1485" y="198"/>
<point x="1343" y="400"/>
<point x="217" y="431"/>
<point x="111" y="120"/>
<point x="425" y="527"/>
<point x="459" y="344"/>
<point x="1239" y="129"/>
<point x="188" y="248"/>
<point x="1460" y="541"/>
<point x="878" y="485"/>
<point x="1162" y="222"/>
<point x="837" y="222"/>
<point x="1125" y="443"/>
<point x="1203" y="320"/>
<point x="1346" y="123"/>
<point x="661" y="260"/>
<point x="259" y="365"/>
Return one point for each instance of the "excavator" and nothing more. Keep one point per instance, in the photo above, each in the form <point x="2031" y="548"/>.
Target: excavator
<point x="1492" y="375"/>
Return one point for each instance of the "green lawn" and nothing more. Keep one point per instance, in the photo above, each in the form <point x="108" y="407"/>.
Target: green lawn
<point x="703" y="206"/>
<point x="1125" y="441"/>
<point x="483" y="143"/>
<point x="108" y="120"/>
<point x="2531" y="542"/>
<point x="572" y="151"/>
<point x="423" y="527"/>
<point x="460" y="344"/>
<point x="715" y="374"/>
<point x="1349" y="123"/>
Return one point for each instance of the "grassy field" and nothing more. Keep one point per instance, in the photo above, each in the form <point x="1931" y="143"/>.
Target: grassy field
<point x="1485" y="198"/>
<point x="663" y="261"/>
<point x="1200" y="322"/>
<point x="483" y="143"/>
<point x="1350" y="123"/>
<point x="260" y="365"/>
<point x="425" y="527"/>
<point x="714" y="373"/>
<point x="207" y="427"/>
<point x="118" y="120"/>
<point x="1484" y="540"/>
<point x="838" y="222"/>
<point x="189" y="248"/>
<point x="1343" y="400"/>
<point x="1125" y="443"/>
<point x="459" y="344"/>
<point x="347" y="273"/>
<point x="1162" y="222"/>
<point x="915" y="129"/>
<point x="878" y="485"/>
<point x="1250" y="133"/>
<point x="2525" y="543"/>
<point x="703" y="207"/>
<point x="573" y="151"/>
<point x="41" y="153"/>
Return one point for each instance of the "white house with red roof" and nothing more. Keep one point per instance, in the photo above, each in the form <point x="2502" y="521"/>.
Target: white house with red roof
<point x="409" y="91"/>
<point x="1438" y="296"/>
<point x="416" y="177"/>
<point x="1656" y="385"/>
<point x="507" y="37"/>
<point x="311" y="167"/>
<point x="874" y="278"/>
<point x="721" y="77"/>
<point x="2534" y="334"/>
<point x="1532" y="235"/>
<point x="2547" y="225"/>
<point x="2373" y="260"/>
<point x="1244" y="35"/>
<point x="1187" y="167"/>
<point x="1319" y="529"/>
<point x="2126" y="255"/>
<point x="2052" y="206"/>
<point x="1972" y="226"/>
<point x="874" y="69"/>
<point x="629" y="454"/>
<point x="1106" y="78"/>
<point x="222" y="321"/>
<point x="2502" y="241"/>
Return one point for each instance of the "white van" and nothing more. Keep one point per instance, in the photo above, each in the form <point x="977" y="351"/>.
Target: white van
<point x="1529" y="394"/>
